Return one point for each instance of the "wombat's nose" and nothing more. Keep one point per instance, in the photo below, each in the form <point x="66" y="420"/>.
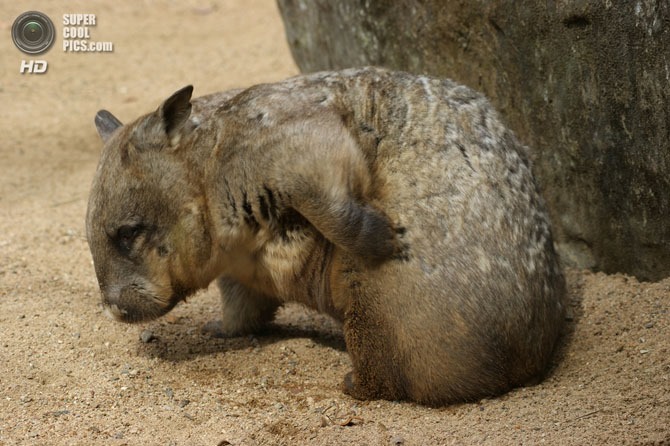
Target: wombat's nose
<point x="110" y="294"/>
<point x="116" y="313"/>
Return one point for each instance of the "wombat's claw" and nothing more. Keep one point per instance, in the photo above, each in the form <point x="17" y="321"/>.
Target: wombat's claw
<point x="348" y="385"/>
<point x="214" y="329"/>
<point x="352" y="387"/>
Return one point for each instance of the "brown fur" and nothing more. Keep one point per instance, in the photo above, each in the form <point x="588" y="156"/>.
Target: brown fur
<point x="398" y="204"/>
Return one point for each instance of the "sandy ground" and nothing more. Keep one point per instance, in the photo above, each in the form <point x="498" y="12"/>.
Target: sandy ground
<point x="69" y="376"/>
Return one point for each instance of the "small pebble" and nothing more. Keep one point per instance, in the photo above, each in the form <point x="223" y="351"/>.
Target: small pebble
<point x="147" y="336"/>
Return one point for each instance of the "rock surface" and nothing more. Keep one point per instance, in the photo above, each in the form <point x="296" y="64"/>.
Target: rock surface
<point x="585" y="83"/>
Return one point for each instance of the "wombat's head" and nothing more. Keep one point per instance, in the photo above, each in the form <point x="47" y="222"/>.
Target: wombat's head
<point x="145" y="221"/>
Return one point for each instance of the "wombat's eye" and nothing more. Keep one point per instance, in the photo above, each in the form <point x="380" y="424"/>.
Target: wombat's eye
<point x="126" y="235"/>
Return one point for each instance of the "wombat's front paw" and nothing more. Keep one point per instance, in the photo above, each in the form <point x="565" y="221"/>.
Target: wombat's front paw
<point x="217" y="329"/>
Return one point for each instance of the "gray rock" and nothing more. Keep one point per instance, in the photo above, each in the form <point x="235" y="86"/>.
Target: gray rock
<point x="147" y="336"/>
<point x="585" y="83"/>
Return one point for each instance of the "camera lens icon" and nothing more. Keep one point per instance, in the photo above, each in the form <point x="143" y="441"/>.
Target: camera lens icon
<point x="33" y="32"/>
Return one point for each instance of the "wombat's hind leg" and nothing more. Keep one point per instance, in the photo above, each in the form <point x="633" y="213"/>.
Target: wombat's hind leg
<point x="244" y="311"/>
<point x="358" y="228"/>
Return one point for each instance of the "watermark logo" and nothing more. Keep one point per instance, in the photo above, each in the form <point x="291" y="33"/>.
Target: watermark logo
<point x="77" y="35"/>
<point x="33" y="32"/>
<point x="33" y="66"/>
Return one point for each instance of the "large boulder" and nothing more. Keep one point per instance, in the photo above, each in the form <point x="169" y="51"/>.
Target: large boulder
<point x="585" y="83"/>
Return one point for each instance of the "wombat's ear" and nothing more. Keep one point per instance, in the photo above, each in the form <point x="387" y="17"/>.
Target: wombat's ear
<point x="156" y="130"/>
<point x="106" y="123"/>
<point x="176" y="109"/>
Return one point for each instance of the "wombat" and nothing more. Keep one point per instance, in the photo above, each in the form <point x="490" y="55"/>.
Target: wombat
<point x="398" y="204"/>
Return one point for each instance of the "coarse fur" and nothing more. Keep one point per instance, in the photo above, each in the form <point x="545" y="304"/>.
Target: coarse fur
<point x="398" y="204"/>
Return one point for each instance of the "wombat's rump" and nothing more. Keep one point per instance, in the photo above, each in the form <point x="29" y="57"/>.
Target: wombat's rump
<point x="398" y="204"/>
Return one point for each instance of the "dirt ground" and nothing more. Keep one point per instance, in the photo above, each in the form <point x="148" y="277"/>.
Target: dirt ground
<point x="70" y="376"/>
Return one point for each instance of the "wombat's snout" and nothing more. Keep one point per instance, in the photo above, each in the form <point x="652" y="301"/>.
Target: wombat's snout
<point x="131" y="303"/>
